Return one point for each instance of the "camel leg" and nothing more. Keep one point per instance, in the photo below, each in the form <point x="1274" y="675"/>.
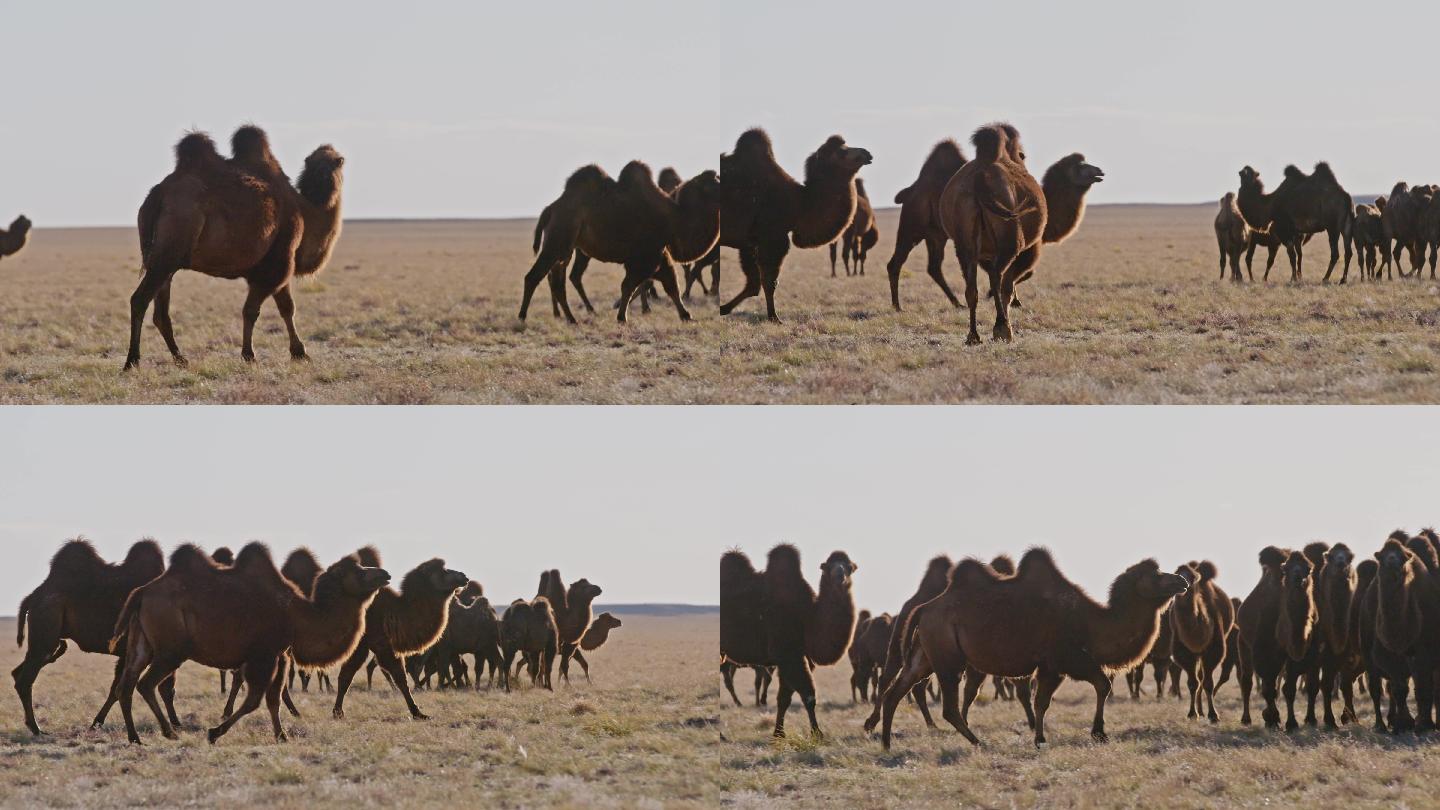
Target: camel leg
<point x="795" y="677"/>
<point x="1334" y="236"/>
<point x="763" y="677"/>
<point x="1328" y="674"/>
<point x="287" y="668"/>
<point x="1235" y="268"/>
<point x="285" y="303"/>
<point x="750" y="266"/>
<point x="236" y="681"/>
<point x="1271" y="251"/>
<point x="727" y="675"/>
<point x="1002" y="332"/>
<point x="1159" y="679"/>
<point x="259" y="675"/>
<point x="971" y="270"/>
<point x="550" y="254"/>
<point x="1192" y="682"/>
<point x="114" y="694"/>
<point x="165" y="327"/>
<point x="347" y="674"/>
<point x="974" y="679"/>
<point x="1292" y="676"/>
<point x="903" y="246"/>
<point x="934" y="267"/>
<point x="577" y="274"/>
<point x="1222" y="263"/>
<point x="1022" y="693"/>
<point x="1045" y="685"/>
<point x="392" y="665"/>
<point x="1209" y="660"/>
<point x="1424" y="691"/>
<point x="921" y="704"/>
<point x="155" y="277"/>
<point x="45" y="629"/>
<point x="772" y="256"/>
<point x="1347" y="693"/>
<point x="160" y="670"/>
<point x="637" y="273"/>
<point x="137" y="658"/>
<point x="1102" y="693"/>
<point x="912" y="673"/>
<point x="950" y="704"/>
<point x="1312" y="690"/>
<point x="250" y="313"/>
<point x="558" y="298"/>
<point x="832" y="260"/>
<point x="1174" y="679"/>
<point x="272" y="700"/>
<point x="1249" y="259"/>
<point x="671" y="285"/>
<point x="167" y="697"/>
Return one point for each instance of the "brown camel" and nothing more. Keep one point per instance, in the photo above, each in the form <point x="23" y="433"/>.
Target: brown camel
<point x="12" y="239"/>
<point x="765" y="209"/>
<point x="190" y="613"/>
<point x="1233" y="236"/>
<point x="599" y="633"/>
<point x="1400" y="225"/>
<point x="79" y="601"/>
<point x="859" y="236"/>
<point x="859" y="667"/>
<point x="1162" y="662"/>
<point x="1201" y="619"/>
<point x="1430" y="227"/>
<point x="573" y="620"/>
<point x="1276" y="621"/>
<point x="529" y="630"/>
<point x="763" y="676"/>
<point x="1339" y="659"/>
<point x="472" y="629"/>
<point x="303" y="569"/>
<point x="627" y="221"/>
<point x="1364" y="609"/>
<point x="1303" y="204"/>
<point x="1034" y="623"/>
<point x="867" y="653"/>
<point x="1233" y="660"/>
<point x="998" y="216"/>
<point x="1407" y="622"/>
<point x="235" y="219"/>
<point x="932" y="584"/>
<point x="919" y="220"/>
<point x="774" y="618"/>
<point x="402" y="624"/>
<point x="1368" y="235"/>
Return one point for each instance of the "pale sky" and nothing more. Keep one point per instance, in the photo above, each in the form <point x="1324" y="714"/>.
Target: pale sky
<point x="643" y="501"/>
<point x="461" y="109"/>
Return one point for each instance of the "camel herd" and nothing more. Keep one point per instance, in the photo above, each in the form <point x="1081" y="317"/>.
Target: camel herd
<point x="1316" y="620"/>
<point x="242" y="615"/>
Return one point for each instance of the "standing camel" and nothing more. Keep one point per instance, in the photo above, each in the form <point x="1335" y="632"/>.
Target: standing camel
<point x="1339" y="659"/>
<point x="1201" y="619"/>
<point x="1368" y="236"/>
<point x="228" y="220"/>
<point x="1275" y="621"/>
<point x="774" y="618"/>
<point x="932" y="584"/>
<point x="919" y="220"/>
<point x="12" y="239"/>
<point x="1407" y="622"/>
<point x="1303" y="204"/>
<point x="1233" y="236"/>
<point x="765" y="209"/>
<point x="859" y="236"/>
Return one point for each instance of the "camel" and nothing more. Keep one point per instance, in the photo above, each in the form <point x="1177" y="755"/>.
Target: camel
<point x="1430" y="227"/>
<point x="763" y="675"/>
<point x="1407" y="622"/>
<point x="867" y="653"/>
<point x="696" y="274"/>
<point x="765" y="209"/>
<point x="859" y="236"/>
<point x="1201" y="619"/>
<point x="1034" y="623"/>
<point x="472" y="628"/>
<point x="1162" y="662"/>
<point x="1368" y="235"/>
<point x="1364" y="608"/>
<point x="243" y="617"/>
<point x="932" y="584"/>
<point x="1400" y="225"/>
<point x="999" y="216"/>
<point x="573" y="615"/>
<point x="919" y="221"/>
<point x="238" y="219"/>
<point x="1275" y="621"/>
<point x="12" y="239"/>
<point x="1339" y="659"/>
<point x="1303" y="204"/>
<point x="79" y="600"/>
<point x="599" y="633"/>
<point x="398" y="624"/>
<point x="627" y="221"/>
<point x="1233" y="236"/>
<point x="529" y="630"/>
<point x="303" y="569"/>
<point x="859" y="667"/>
<point x="1233" y="662"/>
<point x="774" y="618"/>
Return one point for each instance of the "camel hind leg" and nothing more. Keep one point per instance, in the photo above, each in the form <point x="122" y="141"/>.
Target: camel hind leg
<point x="1333" y="235"/>
<point x="903" y="245"/>
<point x="161" y="669"/>
<point x="671" y="284"/>
<point x="750" y="266"/>
<point x="260" y="674"/>
<point x="285" y="305"/>
<point x="559" y="301"/>
<point x="971" y="270"/>
<point x="396" y="669"/>
<point x="45" y="641"/>
<point x="913" y="673"/>
<point x="795" y="679"/>
<point x="950" y="704"/>
<point x="156" y="276"/>
<point x="1046" y="683"/>
<point x="556" y="249"/>
<point x="164" y="326"/>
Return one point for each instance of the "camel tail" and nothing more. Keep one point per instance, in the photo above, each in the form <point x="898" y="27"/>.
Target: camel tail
<point x="122" y="624"/>
<point x="903" y="194"/>
<point x="907" y="633"/>
<point x="540" y="229"/>
<point x="20" y="621"/>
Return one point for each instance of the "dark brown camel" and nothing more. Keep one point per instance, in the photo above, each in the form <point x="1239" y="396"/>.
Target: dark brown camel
<point x="920" y="221"/>
<point x="238" y="219"/>
<point x="763" y="675"/>
<point x="599" y="632"/>
<point x="1368" y="236"/>
<point x="80" y="600"/>
<point x="859" y="668"/>
<point x="1303" y="204"/>
<point x="193" y="612"/>
<point x="1034" y="623"/>
<point x="932" y="584"/>
<point x="1407" y="622"/>
<point x="999" y="216"/>
<point x="765" y="209"/>
<point x="12" y="239"/>
<point x="774" y="618"/>
<point x="472" y="629"/>
<point x="1339" y="659"/>
<point x="1364" y="608"/>
<point x="1234" y="661"/>
<point x="1162" y="662"/>
<point x="529" y="630"/>
<point x="1430" y="227"/>
<point x="402" y="624"/>
<point x="1201" y="619"/>
<point x="573" y="620"/>
<point x="1233" y="237"/>
<point x="1400" y="225"/>
<point x="867" y="653"/>
<point x="859" y="236"/>
<point x="627" y="221"/>
<point x="303" y="569"/>
<point x="1276" y="621"/>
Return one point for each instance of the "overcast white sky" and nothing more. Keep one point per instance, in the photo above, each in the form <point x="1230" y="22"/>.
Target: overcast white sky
<point x="459" y="109"/>
<point x="644" y="500"/>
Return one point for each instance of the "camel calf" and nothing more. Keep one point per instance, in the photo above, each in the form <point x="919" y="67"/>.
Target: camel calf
<point x="1233" y="235"/>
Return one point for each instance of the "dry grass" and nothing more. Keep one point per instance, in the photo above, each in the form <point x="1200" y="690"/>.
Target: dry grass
<point x="1156" y="758"/>
<point x="1127" y="311"/>
<point x="636" y="737"/>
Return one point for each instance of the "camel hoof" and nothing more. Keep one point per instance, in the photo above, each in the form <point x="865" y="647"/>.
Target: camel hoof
<point x="973" y="339"/>
<point x="136" y="741"/>
<point x="1291" y="725"/>
<point x="131" y="362"/>
<point x="338" y="714"/>
<point x="280" y="737"/>
<point x="725" y="309"/>
<point x="1001" y="334"/>
<point x="775" y="319"/>
<point x="1099" y="736"/>
<point x="171" y="735"/>
<point x="247" y="355"/>
<point x="212" y="735"/>
<point x="181" y="361"/>
<point x="685" y="316"/>
<point x="299" y="356"/>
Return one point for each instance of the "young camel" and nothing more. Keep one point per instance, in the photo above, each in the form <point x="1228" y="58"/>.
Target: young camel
<point x="859" y="236"/>
<point x="1275" y="621"/>
<point x="774" y="618"/>
<point x="1368" y="236"/>
<point x="1034" y="623"/>
<point x="528" y="629"/>
<point x="999" y="216"/>
<point x="572" y="618"/>
<point x="1339" y="660"/>
<point x="12" y="239"/>
<point x="237" y="219"/>
<point x="303" y="569"/>
<point x="190" y="613"/>
<point x="1201" y="619"/>
<point x="1233" y="236"/>
<point x="932" y="584"/>
<point x="763" y="675"/>
<point x="628" y="221"/>
<point x="596" y="637"/>
<point x="401" y="624"/>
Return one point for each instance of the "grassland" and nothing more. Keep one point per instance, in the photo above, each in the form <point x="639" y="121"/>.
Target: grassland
<point x="1155" y="758"/>
<point x="639" y="736"/>
<point x="1128" y="311"/>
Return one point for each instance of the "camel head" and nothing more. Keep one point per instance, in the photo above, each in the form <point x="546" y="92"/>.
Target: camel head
<point x="1295" y="577"/>
<point x="351" y="578"/>
<point x="1147" y="581"/>
<point x="1188" y="573"/>
<point x="1338" y="560"/>
<point x="1080" y="174"/>
<point x="20" y="226"/>
<point x="582" y="589"/>
<point x="1380" y="202"/>
<point x="321" y="179"/>
<point x="470" y="594"/>
<point x="1396" y="570"/>
<point x="606" y="620"/>
<point x="1249" y="178"/>
<point x="434" y="576"/>
<point x="668" y="180"/>
<point x="838" y="568"/>
<point x="835" y="159"/>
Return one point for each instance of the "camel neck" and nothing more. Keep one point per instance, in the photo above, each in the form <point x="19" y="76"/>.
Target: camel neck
<point x="831" y="624"/>
<point x="326" y="630"/>
<point x="1121" y="635"/>
<point x="694" y="228"/>
<point x="827" y="205"/>
<point x="1066" y="205"/>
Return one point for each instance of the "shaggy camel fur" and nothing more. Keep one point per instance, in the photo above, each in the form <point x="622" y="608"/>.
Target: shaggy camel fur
<point x="79" y="600"/>
<point x="12" y="239"/>
<point x="189" y="614"/>
<point x="1368" y="236"/>
<point x="1364" y="607"/>
<point x="472" y="629"/>
<point x="765" y="209"/>
<point x="762" y="681"/>
<point x="1201" y="619"/>
<point x="235" y="219"/>
<point x="1401" y="227"/>
<point x="1275" y="621"/>
<point x="1407" y="623"/>
<point x="529" y="630"/>
<point x="867" y="653"/>
<point x="1233" y="236"/>
<point x="1339" y="659"/>
<point x="1034" y="623"/>
<point x="1162" y="662"/>
<point x="572" y="619"/>
<point x="1302" y="204"/>
<point x="998" y="216"/>
<point x="627" y="221"/>
<point x="402" y="624"/>
<point x="774" y="618"/>
<point x="932" y="584"/>
<point x="303" y="569"/>
<point x="919" y="220"/>
<point x="859" y="236"/>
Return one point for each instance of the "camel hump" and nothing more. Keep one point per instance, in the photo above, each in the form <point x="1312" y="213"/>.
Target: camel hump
<point x="77" y="559"/>
<point x="637" y="174"/>
<point x="1292" y="172"/>
<point x="1003" y="565"/>
<point x="783" y="559"/>
<point x="755" y="141"/>
<point x="1206" y="570"/>
<point x="945" y="158"/>
<point x="1315" y="552"/>
<point x="970" y="572"/>
<point x="1273" y="556"/>
<point x="1228" y="201"/>
<point x="1421" y="548"/>
<point x="735" y="567"/>
<point x="367" y="556"/>
<point x="250" y="146"/>
<point x="196" y="150"/>
<point x="1365" y="572"/>
<point x="591" y="176"/>
<point x="255" y="558"/>
<point x="1322" y="169"/>
<point x="991" y="140"/>
<point x="188" y="557"/>
<point x="903" y="194"/>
